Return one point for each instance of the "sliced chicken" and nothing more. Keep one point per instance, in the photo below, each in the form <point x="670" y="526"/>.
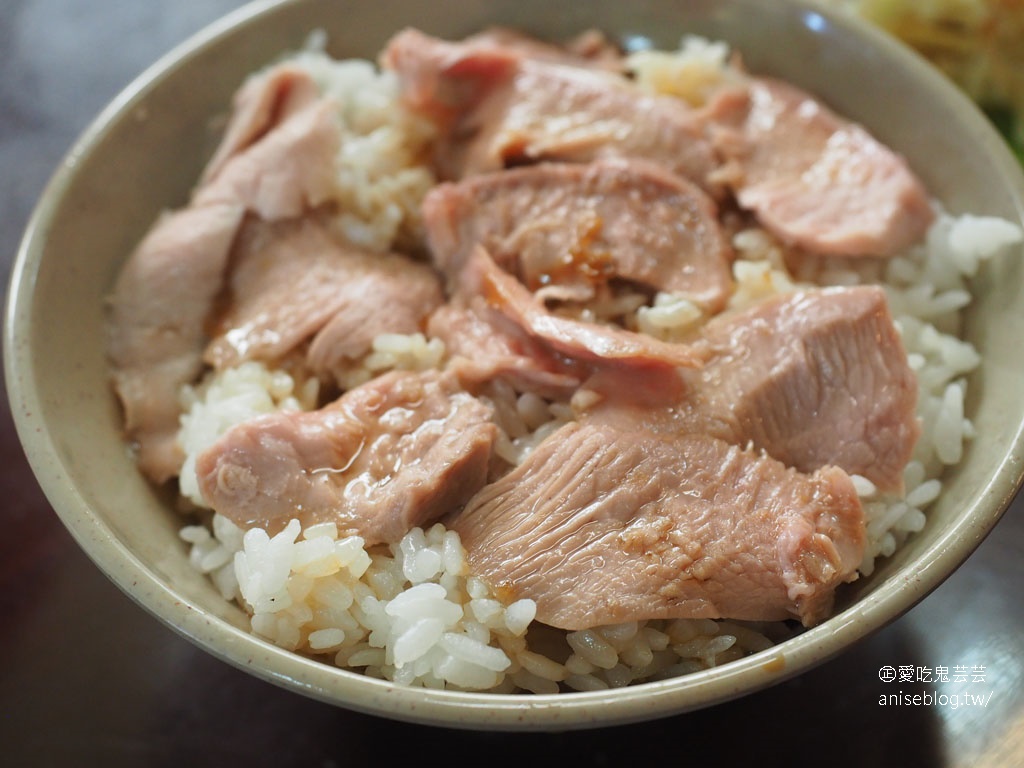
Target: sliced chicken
<point x="397" y="452"/>
<point x="484" y="345"/>
<point x="578" y="340"/>
<point x="294" y="282"/>
<point x="498" y="108"/>
<point x="602" y="525"/>
<point x="813" y="378"/>
<point x="157" y="313"/>
<point x="275" y="161"/>
<point x="265" y="100"/>
<point x="291" y="168"/>
<point x="569" y="227"/>
<point x="814" y="178"/>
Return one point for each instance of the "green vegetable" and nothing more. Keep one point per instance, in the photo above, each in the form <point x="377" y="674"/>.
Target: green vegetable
<point x="1010" y="126"/>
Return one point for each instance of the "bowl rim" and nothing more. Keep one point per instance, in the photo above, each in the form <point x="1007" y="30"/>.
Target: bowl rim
<point x="355" y="691"/>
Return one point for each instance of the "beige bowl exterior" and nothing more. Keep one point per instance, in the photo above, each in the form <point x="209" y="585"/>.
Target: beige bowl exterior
<point x="145" y="151"/>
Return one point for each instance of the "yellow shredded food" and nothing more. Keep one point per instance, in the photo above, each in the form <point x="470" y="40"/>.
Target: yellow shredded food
<point x="979" y="44"/>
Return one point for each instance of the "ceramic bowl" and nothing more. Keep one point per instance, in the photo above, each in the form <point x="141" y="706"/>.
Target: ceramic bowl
<point x="144" y="152"/>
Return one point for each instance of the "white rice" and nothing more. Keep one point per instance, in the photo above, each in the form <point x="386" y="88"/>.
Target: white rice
<point x="395" y="351"/>
<point x="411" y="612"/>
<point x="692" y="73"/>
<point x="381" y="178"/>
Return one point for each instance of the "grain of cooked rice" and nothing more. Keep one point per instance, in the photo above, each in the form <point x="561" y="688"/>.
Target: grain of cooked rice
<point x="669" y="317"/>
<point x="691" y="73"/>
<point x="411" y="612"/>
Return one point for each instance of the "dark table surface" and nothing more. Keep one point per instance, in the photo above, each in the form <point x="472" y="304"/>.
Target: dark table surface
<point x="88" y="678"/>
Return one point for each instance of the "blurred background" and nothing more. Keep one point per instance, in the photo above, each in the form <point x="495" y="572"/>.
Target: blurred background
<point x="88" y="678"/>
<point x="979" y="44"/>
